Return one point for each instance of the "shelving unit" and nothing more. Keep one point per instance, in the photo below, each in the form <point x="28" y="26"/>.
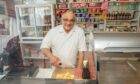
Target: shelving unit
<point x="89" y="13"/>
<point x="33" y="22"/>
<point x="121" y="16"/>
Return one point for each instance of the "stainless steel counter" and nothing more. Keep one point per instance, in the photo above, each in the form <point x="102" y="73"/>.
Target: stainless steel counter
<point x="22" y="77"/>
<point x="21" y="80"/>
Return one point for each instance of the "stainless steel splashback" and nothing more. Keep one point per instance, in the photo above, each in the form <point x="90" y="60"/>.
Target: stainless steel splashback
<point x="117" y="40"/>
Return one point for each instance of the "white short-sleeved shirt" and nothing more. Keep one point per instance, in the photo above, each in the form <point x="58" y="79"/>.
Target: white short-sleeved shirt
<point x="90" y="42"/>
<point x="65" y="45"/>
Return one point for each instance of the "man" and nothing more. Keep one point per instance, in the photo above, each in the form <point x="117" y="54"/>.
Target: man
<point x="67" y="42"/>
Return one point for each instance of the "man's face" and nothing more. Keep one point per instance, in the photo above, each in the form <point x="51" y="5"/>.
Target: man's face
<point x="68" y="21"/>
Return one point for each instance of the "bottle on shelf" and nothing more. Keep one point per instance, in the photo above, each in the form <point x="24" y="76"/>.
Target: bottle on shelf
<point x="122" y="15"/>
<point x="116" y="15"/>
<point x="129" y="16"/>
<point x="126" y="16"/>
<point x="111" y="16"/>
<point x="108" y="16"/>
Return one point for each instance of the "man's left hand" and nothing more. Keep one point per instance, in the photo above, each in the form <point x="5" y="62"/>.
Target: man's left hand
<point x="78" y="73"/>
<point x="92" y="71"/>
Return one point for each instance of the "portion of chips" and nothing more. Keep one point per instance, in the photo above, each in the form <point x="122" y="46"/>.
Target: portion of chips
<point x="66" y="75"/>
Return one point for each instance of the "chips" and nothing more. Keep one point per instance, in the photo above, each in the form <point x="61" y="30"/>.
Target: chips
<point x="66" y="75"/>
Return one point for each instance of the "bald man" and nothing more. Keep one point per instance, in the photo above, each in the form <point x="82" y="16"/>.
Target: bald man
<point x="67" y="42"/>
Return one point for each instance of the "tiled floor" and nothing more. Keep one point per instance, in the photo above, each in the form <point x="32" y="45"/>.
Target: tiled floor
<point x="118" y="72"/>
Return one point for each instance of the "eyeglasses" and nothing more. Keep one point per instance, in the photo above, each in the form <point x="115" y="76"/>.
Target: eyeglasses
<point x="71" y="21"/>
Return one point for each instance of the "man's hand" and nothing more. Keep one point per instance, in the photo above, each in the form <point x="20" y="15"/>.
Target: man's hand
<point x="55" y="61"/>
<point x="78" y="73"/>
<point x="92" y="71"/>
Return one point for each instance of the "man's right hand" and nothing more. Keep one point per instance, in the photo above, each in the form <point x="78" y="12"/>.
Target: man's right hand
<point x="55" y="61"/>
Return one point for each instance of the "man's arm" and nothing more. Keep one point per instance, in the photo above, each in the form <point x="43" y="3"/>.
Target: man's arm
<point x="46" y="46"/>
<point x="91" y="65"/>
<point x="53" y="59"/>
<point x="91" y="58"/>
<point x="79" y="68"/>
<point x="80" y="59"/>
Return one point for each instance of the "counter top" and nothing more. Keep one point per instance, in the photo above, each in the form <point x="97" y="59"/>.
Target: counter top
<point x="26" y="77"/>
<point x="18" y="80"/>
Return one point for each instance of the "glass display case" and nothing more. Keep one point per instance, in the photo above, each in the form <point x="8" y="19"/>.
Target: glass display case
<point x="33" y="22"/>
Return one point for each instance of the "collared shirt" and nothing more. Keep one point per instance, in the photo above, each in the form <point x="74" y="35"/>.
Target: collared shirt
<point x="65" y="45"/>
<point x="90" y="45"/>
